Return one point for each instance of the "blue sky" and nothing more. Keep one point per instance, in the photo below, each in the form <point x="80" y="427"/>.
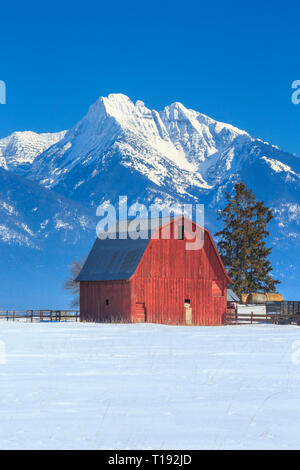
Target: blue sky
<point x="234" y="61"/>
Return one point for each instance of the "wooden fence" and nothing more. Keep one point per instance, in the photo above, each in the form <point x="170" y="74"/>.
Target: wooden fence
<point x="233" y="318"/>
<point x="32" y="316"/>
<point x="286" y="307"/>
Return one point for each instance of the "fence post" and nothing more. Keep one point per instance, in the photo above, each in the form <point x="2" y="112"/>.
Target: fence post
<point x="251" y="318"/>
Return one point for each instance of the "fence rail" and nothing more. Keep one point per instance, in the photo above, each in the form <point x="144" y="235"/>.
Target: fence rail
<point x="286" y="307"/>
<point x="233" y="318"/>
<point x="40" y="315"/>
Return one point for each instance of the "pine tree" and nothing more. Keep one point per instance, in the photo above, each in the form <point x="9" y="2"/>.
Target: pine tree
<point x="242" y="243"/>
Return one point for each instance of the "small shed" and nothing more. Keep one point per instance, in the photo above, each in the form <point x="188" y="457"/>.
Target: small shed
<point x="231" y="296"/>
<point x="153" y="279"/>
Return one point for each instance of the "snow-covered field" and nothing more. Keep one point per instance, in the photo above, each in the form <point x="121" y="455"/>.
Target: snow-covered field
<point x="87" y="386"/>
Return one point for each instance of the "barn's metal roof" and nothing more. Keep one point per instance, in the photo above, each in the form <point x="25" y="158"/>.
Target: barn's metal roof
<point x="112" y="260"/>
<point x="117" y="258"/>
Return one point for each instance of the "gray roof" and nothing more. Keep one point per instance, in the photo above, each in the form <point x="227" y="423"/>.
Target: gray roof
<point x="111" y="260"/>
<point x="117" y="258"/>
<point x="231" y="296"/>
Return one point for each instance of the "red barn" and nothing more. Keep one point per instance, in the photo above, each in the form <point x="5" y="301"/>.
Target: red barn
<point x="155" y="280"/>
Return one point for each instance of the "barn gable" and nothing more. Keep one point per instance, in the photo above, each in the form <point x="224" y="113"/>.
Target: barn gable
<point x="166" y="258"/>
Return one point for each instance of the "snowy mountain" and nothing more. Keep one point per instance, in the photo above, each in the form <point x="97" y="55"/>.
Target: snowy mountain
<point x="30" y="215"/>
<point x="173" y="155"/>
<point x="18" y="150"/>
<point x="176" y="145"/>
<point x="41" y="232"/>
<point x="177" y="152"/>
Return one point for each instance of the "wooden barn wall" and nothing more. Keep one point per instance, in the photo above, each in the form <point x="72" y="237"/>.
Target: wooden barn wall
<point x="168" y="274"/>
<point x="93" y="295"/>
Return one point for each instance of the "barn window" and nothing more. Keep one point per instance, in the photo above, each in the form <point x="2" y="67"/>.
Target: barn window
<point x="187" y="301"/>
<point x="107" y="302"/>
<point x="180" y="232"/>
<point x="217" y="289"/>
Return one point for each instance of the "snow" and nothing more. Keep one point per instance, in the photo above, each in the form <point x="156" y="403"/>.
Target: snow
<point x="288" y="212"/>
<point x="278" y="166"/>
<point x="27" y="229"/>
<point x="86" y="386"/>
<point x="12" y="237"/>
<point x="176" y="143"/>
<point x="10" y="209"/>
<point x="22" y="148"/>
<point x="59" y="224"/>
<point x="177" y="150"/>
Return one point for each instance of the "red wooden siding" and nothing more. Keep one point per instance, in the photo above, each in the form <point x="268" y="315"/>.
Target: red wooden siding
<point x="168" y="274"/>
<point x="217" y="288"/>
<point x="94" y="296"/>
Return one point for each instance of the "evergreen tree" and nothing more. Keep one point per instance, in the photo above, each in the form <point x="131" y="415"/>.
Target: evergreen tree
<point x="242" y="242"/>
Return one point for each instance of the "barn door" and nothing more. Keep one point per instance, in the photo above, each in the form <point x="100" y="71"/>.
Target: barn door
<point x="188" y="312"/>
<point x="140" y="313"/>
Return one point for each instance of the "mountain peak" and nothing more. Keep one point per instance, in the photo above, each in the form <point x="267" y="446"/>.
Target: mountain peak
<point x="177" y="139"/>
<point x="116" y="106"/>
<point x="112" y="102"/>
<point x="178" y="105"/>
